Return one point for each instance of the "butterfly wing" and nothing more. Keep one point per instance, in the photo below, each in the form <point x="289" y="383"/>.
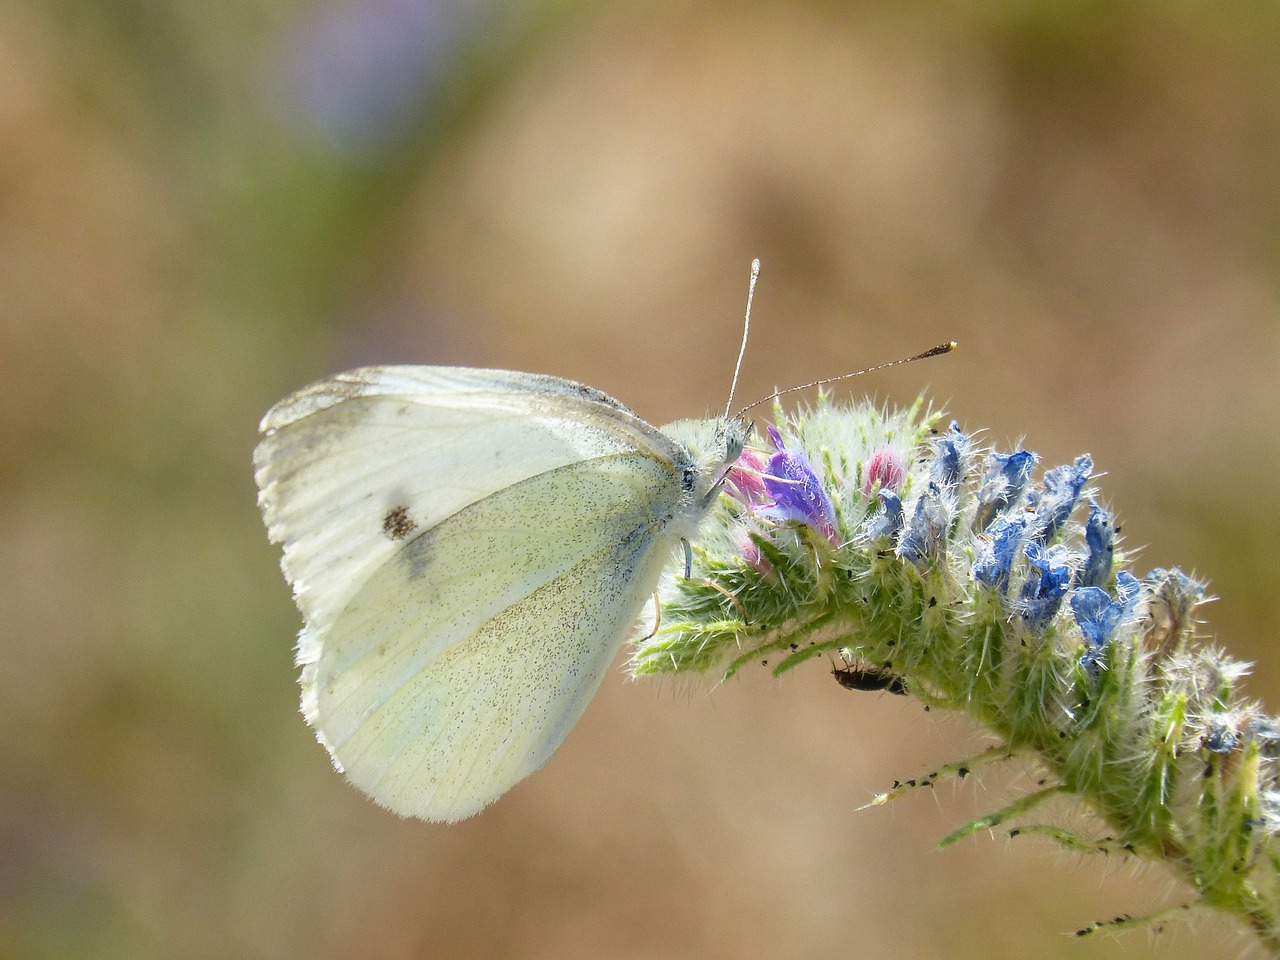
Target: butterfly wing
<point x="469" y="548"/>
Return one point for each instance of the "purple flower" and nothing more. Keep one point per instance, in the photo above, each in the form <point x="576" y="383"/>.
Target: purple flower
<point x="1046" y="584"/>
<point x="796" y="492"/>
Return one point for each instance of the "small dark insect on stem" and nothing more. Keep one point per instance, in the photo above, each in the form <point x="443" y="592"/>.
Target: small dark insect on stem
<point x="870" y="679"/>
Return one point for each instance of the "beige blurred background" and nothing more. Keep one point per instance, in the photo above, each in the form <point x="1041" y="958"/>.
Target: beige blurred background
<point x="205" y="206"/>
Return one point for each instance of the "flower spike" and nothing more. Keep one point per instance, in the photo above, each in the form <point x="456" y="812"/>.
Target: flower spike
<point x="870" y="537"/>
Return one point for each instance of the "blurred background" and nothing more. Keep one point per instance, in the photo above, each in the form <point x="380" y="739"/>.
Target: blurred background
<point x="206" y="206"/>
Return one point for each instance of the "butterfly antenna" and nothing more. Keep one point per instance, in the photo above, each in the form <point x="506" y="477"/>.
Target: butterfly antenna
<point x="937" y="351"/>
<point x="746" y="328"/>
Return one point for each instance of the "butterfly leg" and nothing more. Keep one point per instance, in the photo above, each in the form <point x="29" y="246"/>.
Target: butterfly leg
<point x="657" y="619"/>
<point x="742" y="611"/>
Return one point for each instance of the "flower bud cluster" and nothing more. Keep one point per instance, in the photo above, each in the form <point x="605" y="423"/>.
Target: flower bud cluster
<point x="976" y="587"/>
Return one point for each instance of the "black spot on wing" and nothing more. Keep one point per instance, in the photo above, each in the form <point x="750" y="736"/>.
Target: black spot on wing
<point x="397" y="524"/>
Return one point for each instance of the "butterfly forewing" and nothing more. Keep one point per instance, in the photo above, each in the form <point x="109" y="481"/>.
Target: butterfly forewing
<point x="352" y="466"/>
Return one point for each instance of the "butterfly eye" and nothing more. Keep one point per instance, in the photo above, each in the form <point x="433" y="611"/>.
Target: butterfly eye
<point x="733" y="448"/>
<point x="734" y="440"/>
<point x="688" y="477"/>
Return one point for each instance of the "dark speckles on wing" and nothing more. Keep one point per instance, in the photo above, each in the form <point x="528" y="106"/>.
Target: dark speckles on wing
<point x="397" y="524"/>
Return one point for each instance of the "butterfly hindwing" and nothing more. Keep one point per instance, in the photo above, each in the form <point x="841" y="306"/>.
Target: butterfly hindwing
<point x="460" y="667"/>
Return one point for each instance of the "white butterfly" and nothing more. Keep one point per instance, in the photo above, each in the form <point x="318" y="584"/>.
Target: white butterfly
<point x="469" y="549"/>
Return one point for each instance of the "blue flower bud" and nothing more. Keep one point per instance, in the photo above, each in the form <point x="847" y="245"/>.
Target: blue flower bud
<point x="926" y="533"/>
<point x="1221" y="737"/>
<point x="1097" y="619"/>
<point x="1099" y="537"/>
<point x="1058" y="496"/>
<point x="1046" y="584"/>
<point x="1128" y="589"/>
<point x="1095" y="613"/>
<point x="1171" y="596"/>
<point x="1003" y="485"/>
<point x="889" y="520"/>
<point x="947" y="468"/>
<point x="996" y="551"/>
<point x="1098" y="616"/>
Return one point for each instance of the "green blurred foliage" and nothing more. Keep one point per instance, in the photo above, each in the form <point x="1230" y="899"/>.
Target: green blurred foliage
<point x="1082" y="193"/>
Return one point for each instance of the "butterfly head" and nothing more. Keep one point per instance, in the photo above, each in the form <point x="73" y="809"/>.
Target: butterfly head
<point x="711" y="447"/>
